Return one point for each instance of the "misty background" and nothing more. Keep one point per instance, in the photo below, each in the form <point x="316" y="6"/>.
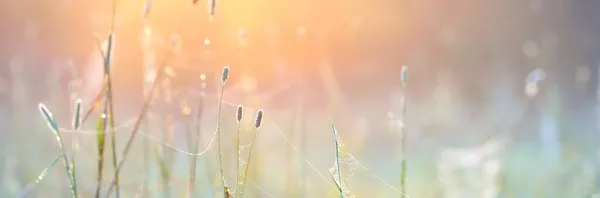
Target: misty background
<point x="302" y="61"/>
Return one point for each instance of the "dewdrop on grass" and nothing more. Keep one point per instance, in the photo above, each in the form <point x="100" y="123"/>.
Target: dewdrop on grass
<point x="259" y="117"/>
<point x="240" y="113"/>
<point x="225" y="75"/>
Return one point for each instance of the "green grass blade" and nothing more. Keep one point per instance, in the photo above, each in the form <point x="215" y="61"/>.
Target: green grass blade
<point x="101" y="139"/>
<point x="54" y="127"/>
<point x="76" y="124"/>
<point x="39" y="178"/>
<point x="337" y="158"/>
<point x="164" y="171"/>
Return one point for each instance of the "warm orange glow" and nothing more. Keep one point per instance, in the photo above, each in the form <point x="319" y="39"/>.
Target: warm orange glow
<point x="148" y="31"/>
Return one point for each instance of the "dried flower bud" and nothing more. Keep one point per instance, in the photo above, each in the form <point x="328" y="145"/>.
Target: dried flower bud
<point x="225" y="74"/>
<point x="240" y="113"/>
<point x="404" y="74"/>
<point x="259" y="117"/>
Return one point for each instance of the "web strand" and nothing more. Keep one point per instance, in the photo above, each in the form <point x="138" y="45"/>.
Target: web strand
<point x="345" y="157"/>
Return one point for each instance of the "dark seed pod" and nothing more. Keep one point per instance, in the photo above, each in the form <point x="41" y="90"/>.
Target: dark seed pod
<point x="225" y="74"/>
<point x="259" y="117"/>
<point x="77" y="115"/>
<point x="240" y="113"/>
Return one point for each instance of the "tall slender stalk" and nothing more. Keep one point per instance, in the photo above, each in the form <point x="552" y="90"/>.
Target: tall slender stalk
<point x="224" y="77"/>
<point x="404" y="79"/>
<point x="54" y="127"/>
<point x="109" y="112"/>
<point x="101" y="144"/>
<point x="257" y="123"/>
<point x="146" y="156"/>
<point x="167" y="157"/>
<point x="239" y="116"/>
<point x="191" y="138"/>
<point x="339" y="183"/>
<point x="194" y="147"/>
<point x="140" y="117"/>
<point x="75" y="143"/>
<point x="39" y="178"/>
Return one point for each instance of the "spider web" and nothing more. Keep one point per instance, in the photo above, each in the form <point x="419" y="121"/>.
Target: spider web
<point x="345" y="169"/>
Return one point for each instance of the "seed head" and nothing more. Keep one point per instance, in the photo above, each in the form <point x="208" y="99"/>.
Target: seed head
<point x="259" y="117"/>
<point x="240" y="113"/>
<point x="76" y="117"/>
<point x="225" y="74"/>
<point x="404" y="74"/>
<point x="146" y="10"/>
<point x="212" y="5"/>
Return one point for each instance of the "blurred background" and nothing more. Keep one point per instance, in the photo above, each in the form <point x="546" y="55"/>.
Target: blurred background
<point x="501" y="99"/>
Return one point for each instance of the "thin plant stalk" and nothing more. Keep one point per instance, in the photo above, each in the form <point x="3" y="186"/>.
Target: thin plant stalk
<point x="54" y="127"/>
<point x="224" y="77"/>
<point x="167" y="158"/>
<point x="101" y="143"/>
<point x="39" y="178"/>
<point x="146" y="155"/>
<point x="237" y="161"/>
<point x="404" y="79"/>
<point x="190" y="140"/>
<point x="239" y="115"/>
<point x="164" y="171"/>
<point x="245" y="175"/>
<point x="109" y="98"/>
<point x="258" y="121"/>
<point x="75" y="143"/>
<point x="110" y="109"/>
<point x="337" y="159"/>
<point x="140" y="117"/>
<point x="195" y="144"/>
